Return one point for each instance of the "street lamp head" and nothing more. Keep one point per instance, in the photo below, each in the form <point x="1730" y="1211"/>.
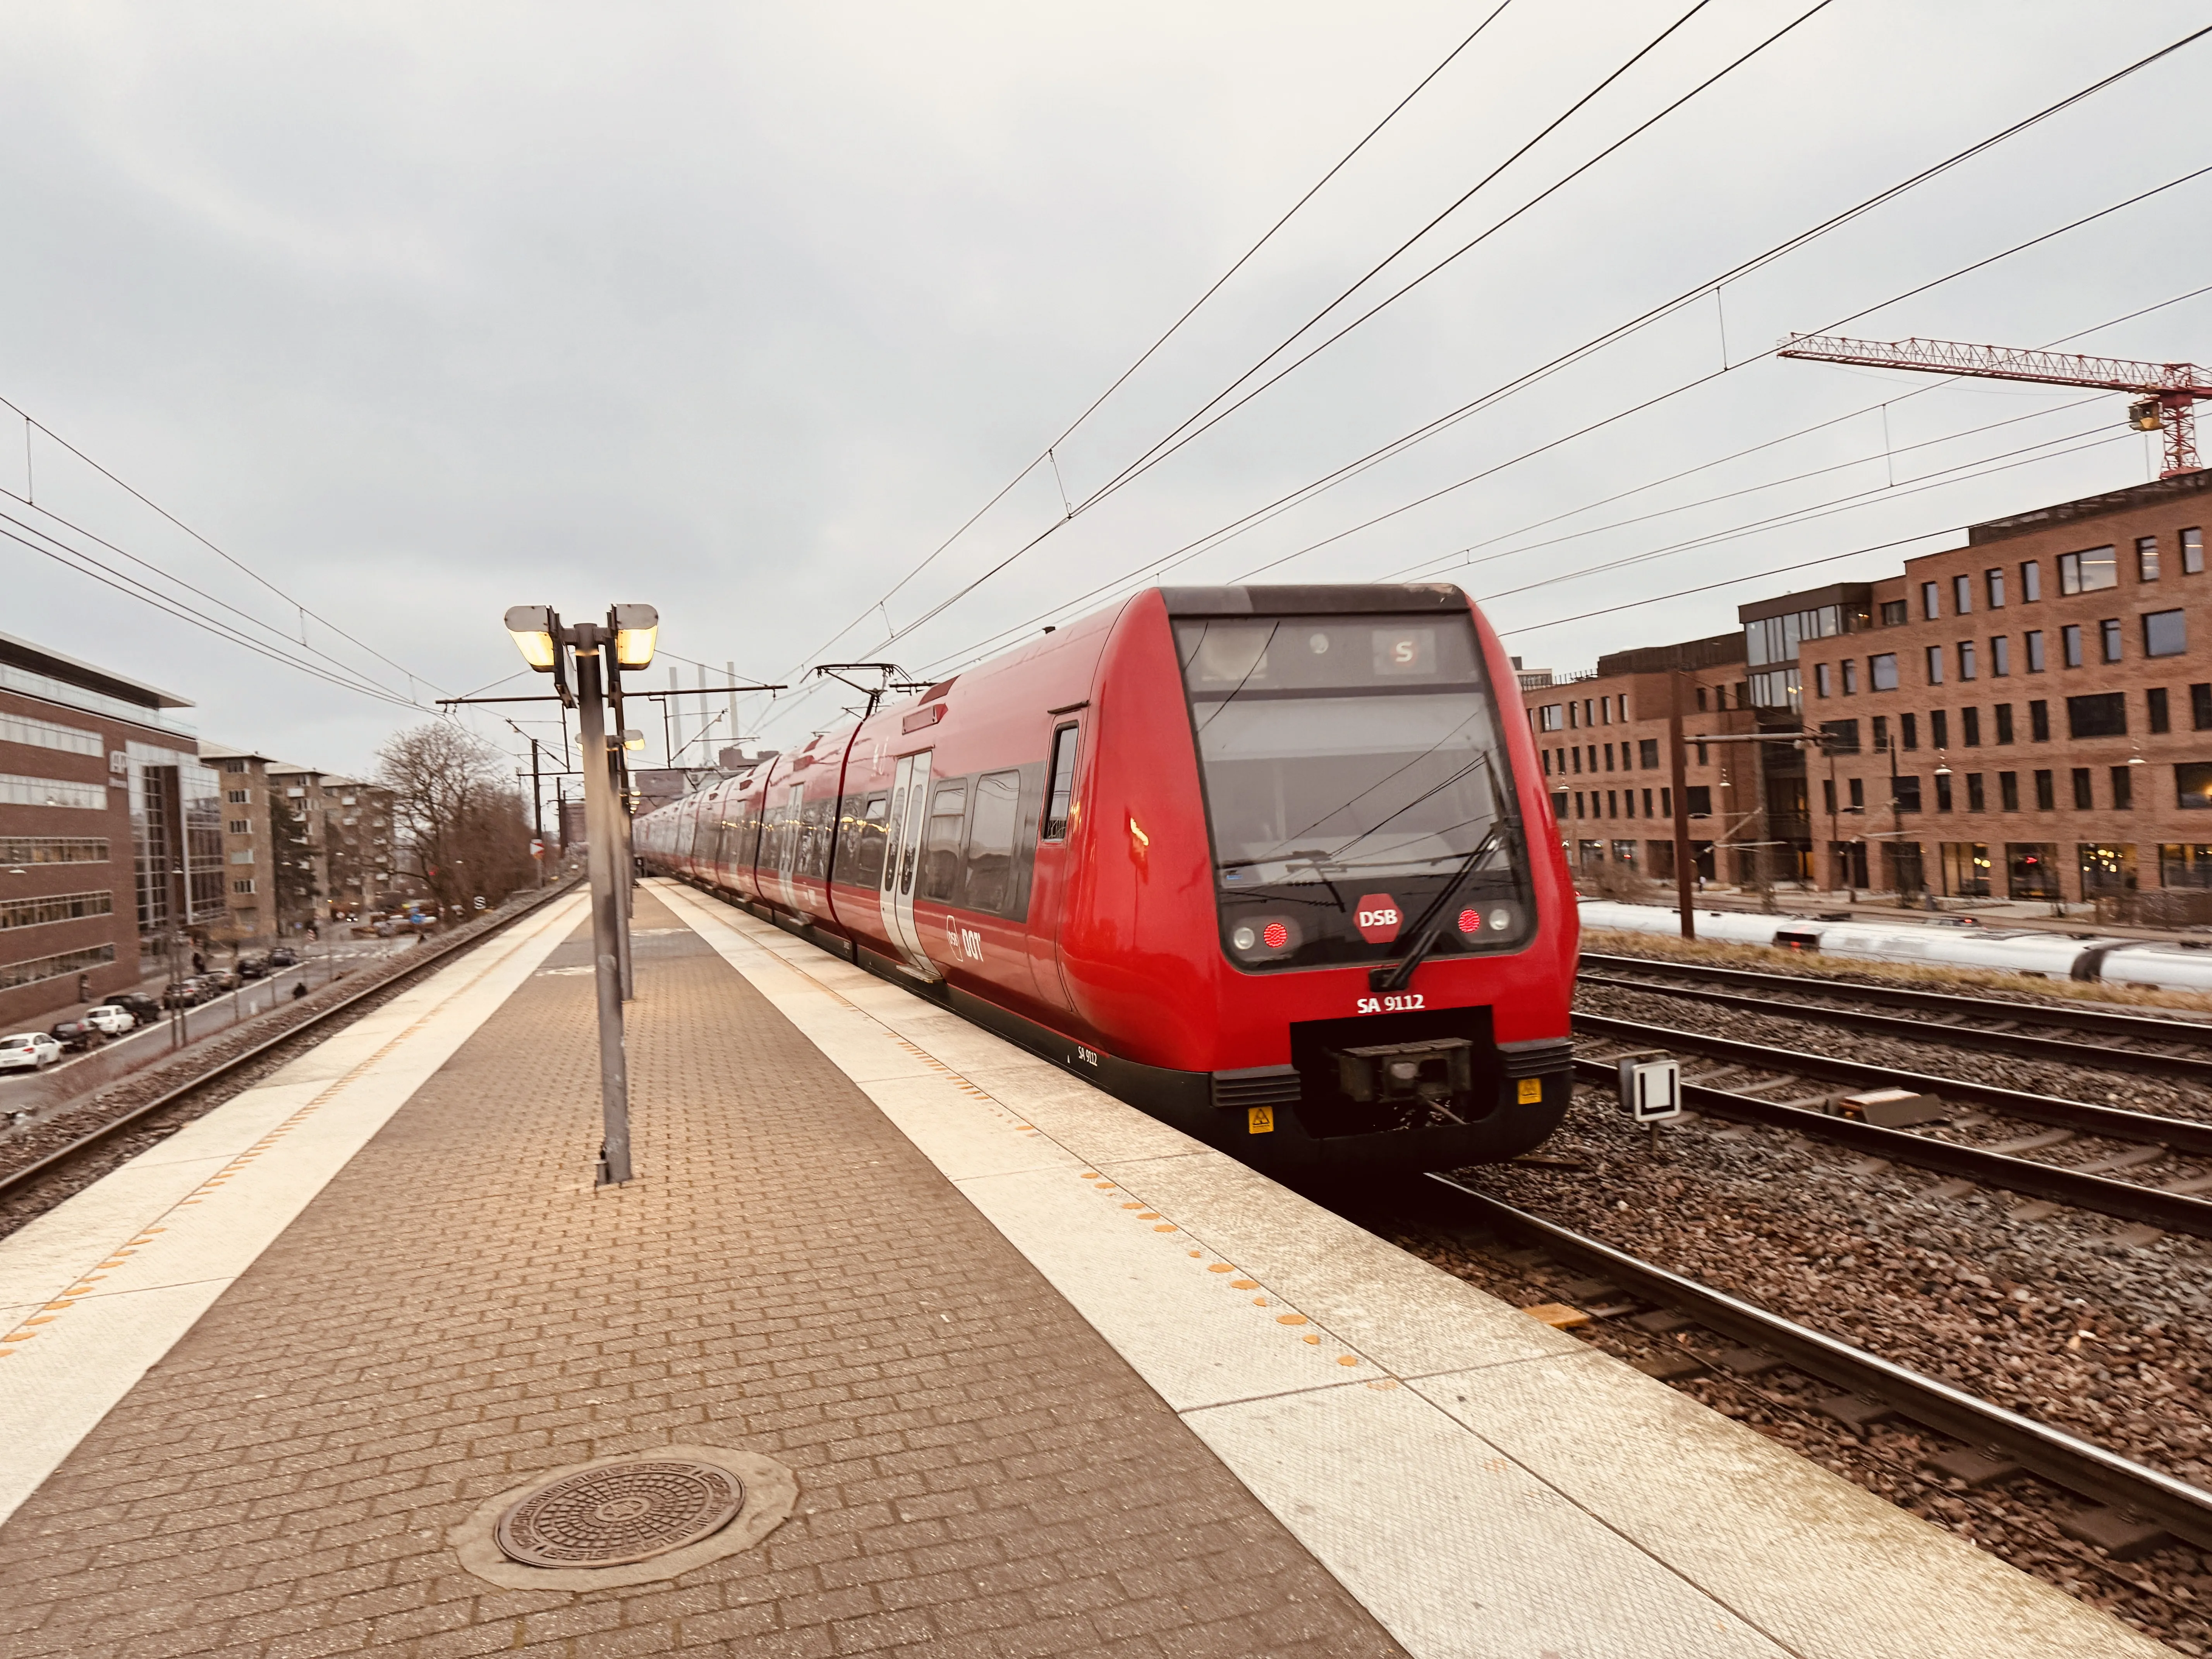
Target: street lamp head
<point x="633" y="738"/>
<point x="533" y="626"/>
<point x="637" y="628"/>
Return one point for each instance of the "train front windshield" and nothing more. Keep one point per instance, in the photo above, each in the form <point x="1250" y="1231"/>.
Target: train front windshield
<point x="1354" y="782"/>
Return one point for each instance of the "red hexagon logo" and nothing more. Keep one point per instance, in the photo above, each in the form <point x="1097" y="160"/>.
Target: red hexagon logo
<point x="1377" y="917"/>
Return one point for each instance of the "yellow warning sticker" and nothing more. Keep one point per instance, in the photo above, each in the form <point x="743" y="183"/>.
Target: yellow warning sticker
<point x="1531" y="1092"/>
<point x="1261" y="1119"/>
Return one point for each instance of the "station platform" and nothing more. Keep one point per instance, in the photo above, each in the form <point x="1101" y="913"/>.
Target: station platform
<point x="1047" y="1376"/>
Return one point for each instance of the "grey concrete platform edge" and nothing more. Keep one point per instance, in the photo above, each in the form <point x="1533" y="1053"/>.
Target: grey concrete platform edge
<point x="1485" y="1486"/>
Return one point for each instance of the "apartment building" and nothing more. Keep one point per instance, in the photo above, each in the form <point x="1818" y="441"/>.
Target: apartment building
<point x="1602" y="740"/>
<point x="108" y="830"/>
<point x="348" y="825"/>
<point x="2027" y="716"/>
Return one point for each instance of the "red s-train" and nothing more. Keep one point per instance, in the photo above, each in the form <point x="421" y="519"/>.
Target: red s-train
<point x="1274" y="864"/>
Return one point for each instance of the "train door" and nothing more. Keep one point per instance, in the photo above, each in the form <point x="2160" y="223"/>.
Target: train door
<point x="787" y="843"/>
<point x="1053" y="870"/>
<point x="909" y="816"/>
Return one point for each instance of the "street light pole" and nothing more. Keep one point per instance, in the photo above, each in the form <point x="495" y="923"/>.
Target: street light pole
<point x="1681" y="767"/>
<point x="600" y="652"/>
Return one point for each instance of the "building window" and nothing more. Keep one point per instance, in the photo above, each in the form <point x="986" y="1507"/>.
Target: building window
<point x="45" y="734"/>
<point x="2200" y="707"/>
<point x="238" y="797"/>
<point x="1976" y="800"/>
<point x="1647" y="753"/>
<point x="242" y="884"/>
<point x="2108" y="635"/>
<point x="1828" y="796"/>
<point x="236" y="765"/>
<point x="52" y="849"/>
<point x="2192" y="785"/>
<point x="2000" y="657"/>
<point x="2101" y="714"/>
<point x="1942" y="792"/>
<point x="1851" y="676"/>
<point x="1882" y="671"/>
<point x="2083" y="801"/>
<point x="16" y="791"/>
<point x="2090" y="571"/>
<point x="2008" y="791"/>
<point x="32" y="912"/>
<point x="1819" y="679"/>
<point x="1993" y="587"/>
<point x="1908" y="726"/>
<point x="1548" y="718"/>
<point x="2154" y="706"/>
<point x="2106" y="869"/>
<point x="2046" y="800"/>
<point x="1881" y="734"/>
<point x="2124" y="788"/>
<point x="1930" y="608"/>
<point x="2033" y="638"/>
<point x="1905" y="793"/>
<point x="2004" y="722"/>
<point x="240" y="826"/>
<point x="1962" y="594"/>
<point x="1966" y="660"/>
<point x="1934" y="665"/>
<point x="2031" y="581"/>
<point x="2039" y="722"/>
<point x="2146" y="558"/>
<point x="2192" y="552"/>
<point x="1970" y="727"/>
<point x="1892" y="613"/>
<point x="1858" y="794"/>
<point x="2069" y="644"/>
<point x="58" y="966"/>
<point x="1608" y="757"/>
<point x="1939" y="728"/>
<point x="2165" y="634"/>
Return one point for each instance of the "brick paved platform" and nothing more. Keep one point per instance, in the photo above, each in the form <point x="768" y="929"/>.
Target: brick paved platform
<point x="979" y="1472"/>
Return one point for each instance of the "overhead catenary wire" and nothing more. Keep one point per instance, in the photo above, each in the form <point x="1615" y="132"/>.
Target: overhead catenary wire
<point x="1496" y="394"/>
<point x="1151" y="569"/>
<point x="30" y="422"/>
<point x="1174" y="328"/>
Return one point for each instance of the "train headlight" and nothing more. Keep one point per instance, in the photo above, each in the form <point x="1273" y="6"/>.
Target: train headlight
<point x="1500" y="919"/>
<point x="1260" y="938"/>
<point x="1480" y="922"/>
<point x="1243" y="938"/>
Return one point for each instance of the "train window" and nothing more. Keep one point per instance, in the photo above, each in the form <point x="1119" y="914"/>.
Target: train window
<point x="940" y="846"/>
<point x="1058" y="807"/>
<point x="786" y="830"/>
<point x="991" y="827"/>
<point x="866" y="840"/>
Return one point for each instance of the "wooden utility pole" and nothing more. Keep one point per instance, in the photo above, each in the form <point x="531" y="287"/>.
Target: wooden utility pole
<point x="1680" y="764"/>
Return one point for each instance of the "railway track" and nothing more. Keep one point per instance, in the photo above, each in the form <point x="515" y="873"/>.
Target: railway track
<point x="2140" y="1043"/>
<point x="311" y="1030"/>
<point x="1754" y="1071"/>
<point x="2132" y="1503"/>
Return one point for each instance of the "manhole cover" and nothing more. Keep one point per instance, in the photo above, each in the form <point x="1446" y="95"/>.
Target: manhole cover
<point x="620" y="1513"/>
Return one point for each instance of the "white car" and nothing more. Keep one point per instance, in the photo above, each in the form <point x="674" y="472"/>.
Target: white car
<point x="32" y="1050"/>
<point x="111" y="1019"/>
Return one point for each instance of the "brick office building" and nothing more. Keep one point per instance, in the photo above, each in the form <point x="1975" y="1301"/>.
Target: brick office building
<point x="1602" y="738"/>
<point x="106" y="830"/>
<point x="2043" y="697"/>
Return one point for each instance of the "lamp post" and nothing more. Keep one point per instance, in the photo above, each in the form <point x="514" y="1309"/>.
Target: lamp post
<point x="597" y="651"/>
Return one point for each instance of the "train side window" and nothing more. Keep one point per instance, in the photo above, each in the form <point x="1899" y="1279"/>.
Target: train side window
<point x="1061" y="797"/>
<point x="867" y="841"/>
<point x="991" y="828"/>
<point x="940" y="846"/>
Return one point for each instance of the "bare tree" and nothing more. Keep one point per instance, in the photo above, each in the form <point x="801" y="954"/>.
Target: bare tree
<point x="462" y="818"/>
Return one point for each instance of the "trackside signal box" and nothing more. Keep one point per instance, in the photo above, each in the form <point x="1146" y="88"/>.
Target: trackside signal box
<point x="1650" y="1088"/>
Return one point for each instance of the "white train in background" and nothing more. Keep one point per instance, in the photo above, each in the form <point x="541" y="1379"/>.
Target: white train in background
<point x="2016" y="950"/>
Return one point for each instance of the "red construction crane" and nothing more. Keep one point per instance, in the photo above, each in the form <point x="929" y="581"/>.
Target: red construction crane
<point x="2166" y="391"/>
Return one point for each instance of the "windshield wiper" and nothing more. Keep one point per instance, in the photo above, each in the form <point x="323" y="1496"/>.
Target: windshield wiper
<point x="1396" y="975"/>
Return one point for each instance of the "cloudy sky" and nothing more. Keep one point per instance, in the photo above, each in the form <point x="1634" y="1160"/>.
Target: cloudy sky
<point x="415" y="312"/>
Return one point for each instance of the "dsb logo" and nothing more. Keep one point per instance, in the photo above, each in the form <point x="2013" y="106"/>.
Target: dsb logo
<point x="1377" y="917"/>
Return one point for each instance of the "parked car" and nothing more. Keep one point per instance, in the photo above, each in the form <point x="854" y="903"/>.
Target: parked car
<point x="112" y="1020"/>
<point x="219" y="980"/>
<point x="282" y="956"/>
<point x="253" y="967"/>
<point x="140" y="1006"/>
<point x="185" y="993"/>
<point x="75" y="1036"/>
<point x="32" y="1051"/>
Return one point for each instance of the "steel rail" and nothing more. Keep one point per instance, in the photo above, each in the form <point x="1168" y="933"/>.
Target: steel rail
<point x="2175" y="1212"/>
<point x="2081" y="1466"/>
<point x="15" y="1181"/>
<point x="2111" y="1122"/>
<point x="2097" y="1021"/>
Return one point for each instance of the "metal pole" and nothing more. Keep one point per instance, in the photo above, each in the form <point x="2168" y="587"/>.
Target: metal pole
<point x="606" y="913"/>
<point x="1680" y="762"/>
<point x="1762" y="870"/>
<point x="616" y="759"/>
<point x="537" y="811"/>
